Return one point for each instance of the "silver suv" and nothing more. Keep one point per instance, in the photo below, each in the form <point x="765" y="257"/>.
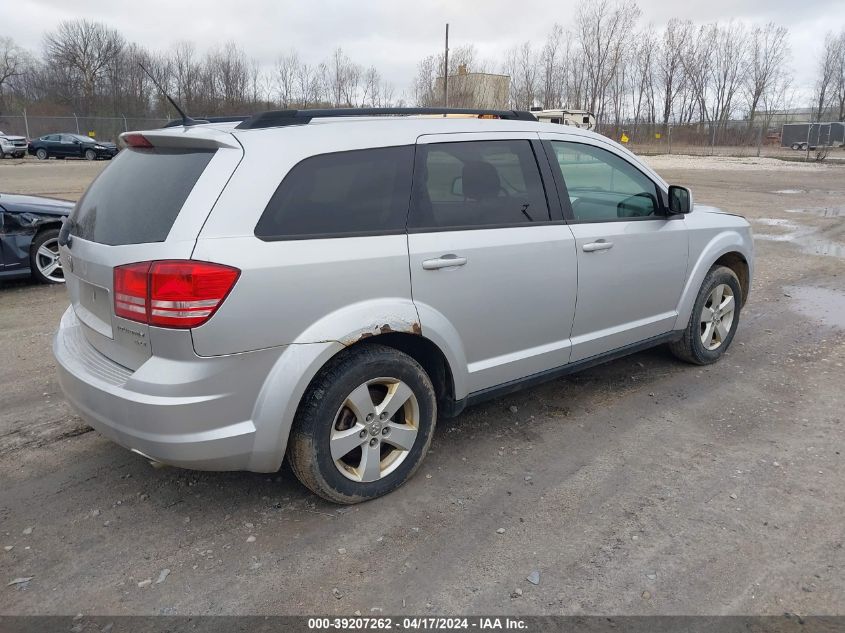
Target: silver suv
<point x="322" y="285"/>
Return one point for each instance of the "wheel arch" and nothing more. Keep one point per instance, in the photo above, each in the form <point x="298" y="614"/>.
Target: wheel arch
<point x="41" y="229"/>
<point x="429" y="356"/>
<point x="728" y="248"/>
<point x="301" y="363"/>
<point x="736" y="262"/>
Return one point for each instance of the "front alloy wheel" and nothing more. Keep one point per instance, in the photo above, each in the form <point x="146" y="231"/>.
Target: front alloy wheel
<point x="714" y="318"/>
<point x="717" y="317"/>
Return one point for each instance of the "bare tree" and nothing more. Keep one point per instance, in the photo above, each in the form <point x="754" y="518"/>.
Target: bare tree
<point x="827" y="74"/>
<point x="550" y="59"/>
<point x="13" y="62"/>
<point x="768" y="53"/>
<point x="839" y="76"/>
<point x="669" y="64"/>
<point x="696" y="60"/>
<point x="186" y="74"/>
<point x="727" y="68"/>
<point x="84" y="50"/>
<point x="602" y="29"/>
<point x="287" y="68"/>
<point x="308" y="90"/>
<point x="228" y="75"/>
<point x="643" y="53"/>
<point x="522" y="65"/>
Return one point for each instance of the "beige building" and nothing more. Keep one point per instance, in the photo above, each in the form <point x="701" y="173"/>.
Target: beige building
<point x="476" y="90"/>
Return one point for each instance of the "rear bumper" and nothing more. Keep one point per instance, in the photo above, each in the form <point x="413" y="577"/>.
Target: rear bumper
<point x="194" y="413"/>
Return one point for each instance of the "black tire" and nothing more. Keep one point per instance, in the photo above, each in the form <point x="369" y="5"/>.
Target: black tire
<point x="48" y="235"/>
<point x="41" y="154"/>
<point x="322" y="408"/>
<point x="796" y="146"/>
<point x="90" y="154"/>
<point x="690" y="347"/>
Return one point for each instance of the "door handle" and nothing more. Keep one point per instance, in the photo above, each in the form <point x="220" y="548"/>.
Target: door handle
<point x="600" y="245"/>
<point x="444" y="261"/>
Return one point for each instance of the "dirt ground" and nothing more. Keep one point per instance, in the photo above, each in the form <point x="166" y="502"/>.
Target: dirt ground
<point x="643" y="486"/>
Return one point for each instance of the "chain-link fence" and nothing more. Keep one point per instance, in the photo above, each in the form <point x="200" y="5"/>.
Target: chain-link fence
<point x="734" y="138"/>
<point x="104" y="128"/>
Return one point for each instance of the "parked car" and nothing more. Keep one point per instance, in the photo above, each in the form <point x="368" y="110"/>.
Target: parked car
<point x="12" y="146"/>
<point x="29" y="237"/>
<point x="71" y="146"/>
<point x="234" y="304"/>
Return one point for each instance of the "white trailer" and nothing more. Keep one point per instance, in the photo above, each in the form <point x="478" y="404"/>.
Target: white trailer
<point x="576" y="118"/>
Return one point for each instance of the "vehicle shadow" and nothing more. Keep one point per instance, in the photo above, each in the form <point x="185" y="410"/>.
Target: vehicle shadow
<point x="521" y="418"/>
<point x="21" y="284"/>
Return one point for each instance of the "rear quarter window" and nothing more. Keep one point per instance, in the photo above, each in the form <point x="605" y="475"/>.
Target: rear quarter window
<point x="359" y="192"/>
<point x="138" y="197"/>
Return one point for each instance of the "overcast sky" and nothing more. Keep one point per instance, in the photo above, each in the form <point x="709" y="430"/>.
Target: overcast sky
<point x="393" y="35"/>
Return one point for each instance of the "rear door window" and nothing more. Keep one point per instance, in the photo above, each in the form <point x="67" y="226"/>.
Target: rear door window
<point x="474" y="184"/>
<point x="359" y="192"/>
<point x="138" y="197"/>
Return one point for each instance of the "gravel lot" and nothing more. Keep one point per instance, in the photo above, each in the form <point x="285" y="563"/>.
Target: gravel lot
<point x="643" y="486"/>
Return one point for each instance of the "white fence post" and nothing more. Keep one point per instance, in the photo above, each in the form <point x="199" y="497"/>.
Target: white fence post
<point x="26" y="123"/>
<point x="77" y="122"/>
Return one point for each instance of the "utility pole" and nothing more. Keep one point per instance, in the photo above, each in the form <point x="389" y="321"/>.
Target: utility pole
<point x="809" y="129"/>
<point x="446" y="71"/>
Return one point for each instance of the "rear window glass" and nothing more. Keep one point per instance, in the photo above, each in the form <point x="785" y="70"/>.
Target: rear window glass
<point x="138" y="197"/>
<point x="358" y="192"/>
<point x="478" y="183"/>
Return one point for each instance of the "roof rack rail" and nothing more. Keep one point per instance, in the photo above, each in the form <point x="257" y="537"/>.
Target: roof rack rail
<point x="281" y="118"/>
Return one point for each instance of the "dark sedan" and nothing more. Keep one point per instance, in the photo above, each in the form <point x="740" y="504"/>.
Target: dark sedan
<point x="70" y="146"/>
<point x="29" y="237"/>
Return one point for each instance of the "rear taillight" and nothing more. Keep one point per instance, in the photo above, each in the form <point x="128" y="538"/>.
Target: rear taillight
<point x="171" y="293"/>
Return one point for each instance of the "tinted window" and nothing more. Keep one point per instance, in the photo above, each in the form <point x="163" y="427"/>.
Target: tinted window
<point x="137" y="198"/>
<point x="477" y="183"/>
<point x="603" y="186"/>
<point x="348" y="193"/>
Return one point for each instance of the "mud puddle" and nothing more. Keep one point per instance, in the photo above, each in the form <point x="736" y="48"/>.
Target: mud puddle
<point x="804" y="237"/>
<point x="825" y="212"/>
<point x="823" y="305"/>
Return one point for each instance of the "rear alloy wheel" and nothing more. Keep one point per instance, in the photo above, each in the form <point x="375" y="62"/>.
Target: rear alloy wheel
<point x="364" y="425"/>
<point x="90" y="154"/>
<point x="714" y="319"/>
<point x="44" y="258"/>
<point x="41" y="154"/>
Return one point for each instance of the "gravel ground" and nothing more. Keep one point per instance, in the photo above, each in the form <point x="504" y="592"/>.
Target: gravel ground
<point x="643" y="486"/>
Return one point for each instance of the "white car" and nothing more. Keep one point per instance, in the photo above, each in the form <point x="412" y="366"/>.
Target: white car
<point x="321" y="285"/>
<point x="12" y="146"/>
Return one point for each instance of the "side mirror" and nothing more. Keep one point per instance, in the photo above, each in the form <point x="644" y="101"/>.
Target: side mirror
<point x="458" y="186"/>
<point x="680" y="199"/>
